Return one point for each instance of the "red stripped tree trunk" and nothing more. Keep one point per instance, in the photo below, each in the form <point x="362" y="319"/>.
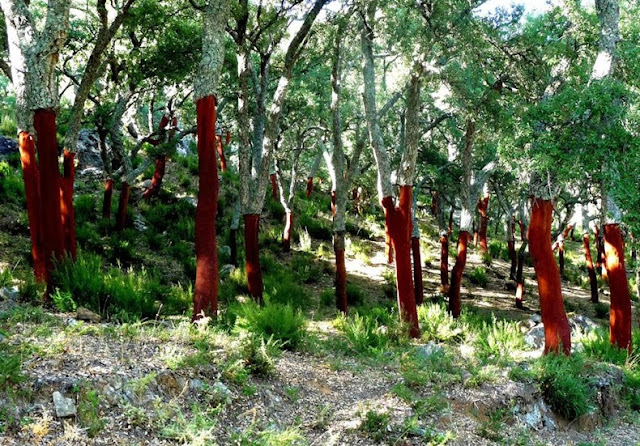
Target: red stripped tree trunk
<point x="556" y="325"/>
<point x="205" y="299"/>
<point x="66" y="205"/>
<point x="274" y="186"/>
<point x="398" y="222"/>
<point x="620" y="312"/>
<point x="52" y="235"/>
<point x="123" y="203"/>
<point x="455" y="304"/>
<point x="603" y="259"/>
<point x="523" y="235"/>
<point x="514" y="259"/>
<point x="31" y="180"/>
<point x="417" y="270"/>
<point x="520" y="278"/>
<point x="288" y="227"/>
<point x="106" y="201"/>
<point x="388" y="244"/>
<point x="158" y="175"/>
<point x="223" y="158"/>
<point x="593" y="281"/>
<point x="483" y="206"/>
<point x="252" y="253"/>
<point x="561" y="259"/>
<point x="309" y="186"/>
<point x="444" y="262"/>
<point x="341" y="273"/>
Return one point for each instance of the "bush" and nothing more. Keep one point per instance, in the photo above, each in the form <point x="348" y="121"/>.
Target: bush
<point x="375" y="425"/>
<point x="316" y="227"/>
<point x="355" y="296"/>
<point x="602" y="310"/>
<point x="304" y="268"/>
<point x="63" y="301"/>
<point x="438" y="325"/>
<point x="85" y="207"/>
<point x="259" y="354"/>
<point x="499" y="339"/>
<point x="281" y="322"/>
<point x="370" y="333"/>
<point x="11" y="185"/>
<point x="478" y="276"/>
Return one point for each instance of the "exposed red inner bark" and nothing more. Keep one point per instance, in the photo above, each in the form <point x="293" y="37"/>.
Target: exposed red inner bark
<point x="455" y="304"/>
<point x="158" y="175"/>
<point x="593" y="281"/>
<point x="523" y="234"/>
<point x="309" y="186"/>
<point x="556" y="325"/>
<point x="398" y="223"/>
<point x="252" y="254"/>
<point x="341" y="282"/>
<point x="620" y="311"/>
<point x="52" y="235"/>
<point x="221" y="155"/>
<point x="66" y="205"/>
<point x="274" y="186"/>
<point x="108" y="197"/>
<point x="354" y="193"/>
<point x="227" y="139"/>
<point x="31" y="180"/>
<point x="519" y="279"/>
<point x="417" y="270"/>
<point x="483" y="206"/>
<point x="561" y="259"/>
<point x="388" y="244"/>
<point x="444" y="262"/>
<point x="123" y="203"/>
<point x="205" y="300"/>
<point x="513" y="257"/>
<point x="288" y="228"/>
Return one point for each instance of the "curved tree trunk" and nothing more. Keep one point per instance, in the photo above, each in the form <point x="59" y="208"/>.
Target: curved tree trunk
<point x="388" y="244"/>
<point x="107" y="199"/>
<point x="123" y="203"/>
<point x="593" y="280"/>
<point x="205" y="301"/>
<point x="444" y="261"/>
<point x="52" y="233"/>
<point x="286" y="235"/>
<point x="483" y="206"/>
<point x="513" y="257"/>
<point x="620" y="312"/>
<point x="455" y="304"/>
<point x="221" y="155"/>
<point x="556" y="325"/>
<point x="158" y="175"/>
<point x="66" y="205"/>
<point x="31" y="179"/>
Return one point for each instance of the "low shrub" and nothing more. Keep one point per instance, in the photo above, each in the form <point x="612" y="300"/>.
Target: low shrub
<point x="372" y="332"/>
<point x="304" y="268"/>
<point x="84" y="207"/>
<point x="498" y="340"/>
<point x="602" y="310"/>
<point x="282" y="322"/>
<point x="438" y="325"/>
<point x="11" y="185"/>
<point x="478" y="276"/>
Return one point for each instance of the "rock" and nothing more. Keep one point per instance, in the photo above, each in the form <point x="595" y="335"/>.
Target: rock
<point x="535" y="416"/>
<point x="582" y="324"/>
<point x="535" y="337"/>
<point x="193" y="201"/>
<point x="168" y="384"/>
<point x="71" y="322"/>
<point x="140" y="223"/>
<point x="536" y="319"/>
<point x="84" y="314"/>
<point x="8" y="146"/>
<point x="196" y="385"/>
<point x="226" y="270"/>
<point x="9" y="293"/>
<point x="221" y="393"/>
<point x="65" y="407"/>
<point x="424" y="351"/>
<point x="88" y="153"/>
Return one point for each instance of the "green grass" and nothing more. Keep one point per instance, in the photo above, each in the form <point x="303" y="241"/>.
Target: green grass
<point x="374" y="424"/>
<point x="478" y="276"/>
<point x="370" y="332"/>
<point x="280" y="322"/>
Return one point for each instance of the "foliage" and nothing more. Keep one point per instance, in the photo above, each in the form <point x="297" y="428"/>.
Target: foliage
<point x="478" y="276"/>
<point x="438" y="325"/>
<point x="499" y="340"/>
<point x="280" y="322"/>
<point x="11" y="185"/>
<point x="375" y="424"/>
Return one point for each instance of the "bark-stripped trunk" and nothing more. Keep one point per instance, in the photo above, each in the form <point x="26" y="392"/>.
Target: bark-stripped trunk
<point x="221" y="155"/>
<point x="620" y="311"/>
<point x="252" y="254"/>
<point x="66" y="205"/>
<point x="417" y="270"/>
<point x="388" y="244"/>
<point x="286" y="235"/>
<point x="161" y="160"/>
<point x="205" y="301"/>
<point x="312" y="173"/>
<point x="274" y="186"/>
<point x="444" y="261"/>
<point x="513" y="257"/>
<point x="483" y="206"/>
<point x="287" y="195"/>
<point x="519" y="279"/>
<point x="52" y="233"/>
<point x="560" y="245"/>
<point x="107" y="199"/>
<point x="31" y="179"/>
<point x="554" y="318"/>
<point x="123" y="203"/>
<point x="593" y="280"/>
<point x="341" y="272"/>
<point x="455" y="305"/>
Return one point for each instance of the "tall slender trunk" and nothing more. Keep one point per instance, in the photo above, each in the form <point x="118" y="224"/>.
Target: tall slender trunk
<point x="66" y="205"/>
<point x="123" y="203"/>
<point x="444" y="261"/>
<point x="455" y="304"/>
<point x="450" y="227"/>
<point x="286" y="235"/>
<point x="341" y="272"/>
<point x="221" y="155"/>
<point x="511" y="245"/>
<point x="274" y="186"/>
<point x="388" y="243"/>
<point x="309" y="186"/>
<point x="252" y="254"/>
<point x="52" y="234"/>
<point x="106" y="201"/>
<point x="519" y="278"/>
<point x="554" y="318"/>
<point x="483" y="206"/>
<point x="417" y="270"/>
<point x="205" y="301"/>
<point x="31" y="179"/>
<point x="593" y="280"/>
<point x="620" y="313"/>
<point x="158" y="175"/>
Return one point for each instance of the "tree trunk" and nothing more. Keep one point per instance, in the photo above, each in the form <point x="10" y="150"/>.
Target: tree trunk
<point x="221" y="155"/>
<point x="483" y="206"/>
<point x="444" y="261"/>
<point x="341" y="272"/>
<point x="398" y="221"/>
<point x="417" y="271"/>
<point x="309" y="186"/>
<point x="519" y="276"/>
<point x="450" y="228"/>
<point x="106" y="201"/>
<point x="158" y="175"/>
<point x="523" y="233"/>
<point x="52" y="234"/>
<point x="620" y="314"/>
<point x="455" y="304"/>
<point x="434" y="203"/>
<point x="286" y="236"/>
<point x="205" y="301"/>
<point x="123" y="203"/>
<point x="556" y="325"/>
<point x="252" y="253"/>
<point x="513" y="257"/>
<point x="66" y="206"/>
<point x="388" y="244"/>
<point x="31" y="179"/>
<point x="561" y="259"/>
<point x="593" y="281"/>
<point x="274" y="186"/>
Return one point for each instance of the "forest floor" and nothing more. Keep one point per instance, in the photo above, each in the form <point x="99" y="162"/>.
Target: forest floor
<point x="166" y="381"/>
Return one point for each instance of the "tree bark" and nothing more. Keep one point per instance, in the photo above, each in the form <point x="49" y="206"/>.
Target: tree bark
<point x="123" y="203"/>
<point x="519" y="278"/>
<point x="341" y="272"/>
<point x="221" y="155"/>
<point x="286" y="235"/>
<point x="274" y="186"/>
<point x="66" y="205"/>
<point x="31" y="179"/>
<point x="252" y="253"/>
<point x="620" y="312"/>
<point x="455" y="304"/>
<point x="106" y="201"/>
<point x="593" y="280"/>
<point x="483" y="206"/>
<point x="554" y="318"/>
<point x="417" y="270"/>
<point x="444" y="261"/>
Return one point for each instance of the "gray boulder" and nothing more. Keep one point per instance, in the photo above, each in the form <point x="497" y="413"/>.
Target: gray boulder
<point x="88" y="153"/>
<point x="65" y="407"/>
<point x="8" y="146"/>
